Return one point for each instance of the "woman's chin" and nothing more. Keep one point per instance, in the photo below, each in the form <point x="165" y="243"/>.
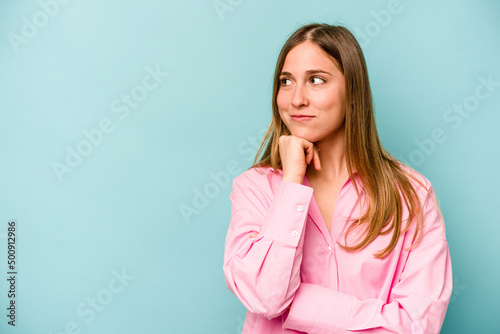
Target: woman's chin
<point x="306" y="136"/>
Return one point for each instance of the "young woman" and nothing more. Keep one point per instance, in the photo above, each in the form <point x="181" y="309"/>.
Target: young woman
<point x="329" y="233"/>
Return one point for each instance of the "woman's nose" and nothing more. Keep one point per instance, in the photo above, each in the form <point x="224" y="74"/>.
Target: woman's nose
<point x="299" y="97"/>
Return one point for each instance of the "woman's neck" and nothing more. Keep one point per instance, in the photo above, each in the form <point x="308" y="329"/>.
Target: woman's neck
<point x="333" y="161"/>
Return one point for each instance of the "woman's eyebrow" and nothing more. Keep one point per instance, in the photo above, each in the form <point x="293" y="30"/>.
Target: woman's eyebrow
<point x="308" y="72"/>
<point x="288" y="74"/>
<point x="317" y="71"/>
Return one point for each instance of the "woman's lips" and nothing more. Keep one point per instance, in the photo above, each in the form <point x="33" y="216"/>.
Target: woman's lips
<point x="301" y="118"/>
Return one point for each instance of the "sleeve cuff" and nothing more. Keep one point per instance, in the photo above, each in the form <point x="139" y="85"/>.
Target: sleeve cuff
<point x="287" y="214"/>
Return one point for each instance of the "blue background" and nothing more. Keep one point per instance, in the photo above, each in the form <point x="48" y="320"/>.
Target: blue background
<point x="149" y="200"/>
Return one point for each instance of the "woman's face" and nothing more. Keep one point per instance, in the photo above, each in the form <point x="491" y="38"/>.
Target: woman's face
<point x="311" y="94"/>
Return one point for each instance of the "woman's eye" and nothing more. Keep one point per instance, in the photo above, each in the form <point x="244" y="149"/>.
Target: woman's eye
<point x="285" y="82"/>
<point x="317" y="80"/>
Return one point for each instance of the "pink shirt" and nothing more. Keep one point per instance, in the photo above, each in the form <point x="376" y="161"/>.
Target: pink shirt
<point x="294" y="259"/>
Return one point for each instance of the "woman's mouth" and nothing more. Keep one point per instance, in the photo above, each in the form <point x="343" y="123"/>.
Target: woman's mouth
<point x="301" y="118"/>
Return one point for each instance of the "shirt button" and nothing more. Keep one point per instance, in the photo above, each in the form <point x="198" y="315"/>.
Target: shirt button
<point x="330" y="248"/>
<point x="300" y="208"/>
<point x="294" y="233"/>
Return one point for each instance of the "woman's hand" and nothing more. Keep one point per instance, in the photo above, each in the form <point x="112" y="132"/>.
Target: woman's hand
<point x="296" y="153"/>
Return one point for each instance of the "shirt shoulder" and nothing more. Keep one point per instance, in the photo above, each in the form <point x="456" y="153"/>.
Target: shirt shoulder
<point x="421" y="184"/>
<point x="433" y="228"/>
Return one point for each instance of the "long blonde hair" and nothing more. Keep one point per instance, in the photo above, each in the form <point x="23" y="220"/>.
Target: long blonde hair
<point x="386" y="185"/>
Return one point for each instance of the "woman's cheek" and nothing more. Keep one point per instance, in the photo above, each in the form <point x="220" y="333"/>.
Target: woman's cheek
<point x="280" y="102"/>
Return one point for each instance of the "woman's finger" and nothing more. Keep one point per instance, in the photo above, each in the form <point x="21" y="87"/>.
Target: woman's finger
<point x="309" y="149"/>
<point x="316" y="161"/>
<point x="312" y="154"/>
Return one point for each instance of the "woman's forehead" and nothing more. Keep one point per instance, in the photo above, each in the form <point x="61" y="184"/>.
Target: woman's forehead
<point x="308" y="56"/>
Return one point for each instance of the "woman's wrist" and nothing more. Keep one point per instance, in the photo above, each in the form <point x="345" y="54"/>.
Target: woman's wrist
<point x="293" y="178"/>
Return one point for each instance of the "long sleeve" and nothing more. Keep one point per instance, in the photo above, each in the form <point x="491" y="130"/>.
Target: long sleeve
<point x="264" y="272"/>
<point x="417" y="302"/>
